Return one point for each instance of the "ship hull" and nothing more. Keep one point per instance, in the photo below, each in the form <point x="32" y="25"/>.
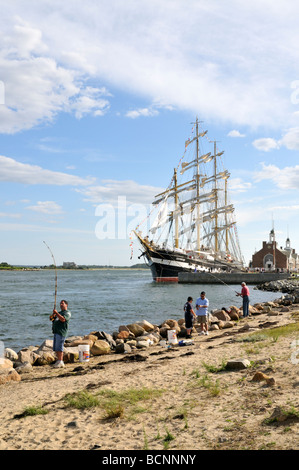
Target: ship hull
<point x="166" y="265"/>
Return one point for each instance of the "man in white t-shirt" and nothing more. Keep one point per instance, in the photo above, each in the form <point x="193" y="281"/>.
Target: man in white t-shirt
<point x="202" y="304"/>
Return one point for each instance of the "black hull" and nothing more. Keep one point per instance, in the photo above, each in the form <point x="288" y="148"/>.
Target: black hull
<point x="166" y="266"/>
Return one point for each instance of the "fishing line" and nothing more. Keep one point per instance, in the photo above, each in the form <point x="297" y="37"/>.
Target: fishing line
<point x="55" y="274"/>
<point x="223" y="282"/>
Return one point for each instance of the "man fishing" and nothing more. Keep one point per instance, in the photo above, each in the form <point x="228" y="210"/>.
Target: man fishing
<point x="60" y="328"/>
<point x="245" y="295"/>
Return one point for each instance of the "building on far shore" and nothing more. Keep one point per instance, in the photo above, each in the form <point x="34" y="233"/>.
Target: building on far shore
<point x="272" y="258"/>
<point x="69" y="265"/>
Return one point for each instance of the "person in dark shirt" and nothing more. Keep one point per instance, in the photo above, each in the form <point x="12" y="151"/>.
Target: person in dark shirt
<point x="60" y="329"/>
<point x="189" y="316"/>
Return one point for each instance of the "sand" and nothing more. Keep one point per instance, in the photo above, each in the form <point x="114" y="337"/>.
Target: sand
<point x="193" y="409"/>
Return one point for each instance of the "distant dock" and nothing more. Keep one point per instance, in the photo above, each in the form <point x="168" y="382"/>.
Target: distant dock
<point x="229" y="278"/>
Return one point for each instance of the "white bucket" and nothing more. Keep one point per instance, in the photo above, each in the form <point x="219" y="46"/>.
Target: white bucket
<point x="83" y="352"/>
<point x="172" y="339"/>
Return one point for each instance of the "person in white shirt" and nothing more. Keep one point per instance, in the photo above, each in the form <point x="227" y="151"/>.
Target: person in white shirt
<point x="202" y="304"/>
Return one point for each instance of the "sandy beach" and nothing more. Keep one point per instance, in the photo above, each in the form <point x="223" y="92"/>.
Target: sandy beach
<point x="180" y="398"/>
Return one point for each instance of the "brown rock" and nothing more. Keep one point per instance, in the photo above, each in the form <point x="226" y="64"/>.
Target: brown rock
<point x="136" y="329"/>
<point x="100" y="347"/>
<point x="221" y="315"/>
<point x="123" y="335"/>
<point x="8" y="375"/>
<point x="234" y="315"/>
<point x="260" y="376"/>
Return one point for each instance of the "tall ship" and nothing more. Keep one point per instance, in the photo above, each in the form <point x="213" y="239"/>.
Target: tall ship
<point x="191" y="226"/>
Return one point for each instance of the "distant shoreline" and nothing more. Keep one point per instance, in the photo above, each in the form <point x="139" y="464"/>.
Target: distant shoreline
<point x="73" y="269"/>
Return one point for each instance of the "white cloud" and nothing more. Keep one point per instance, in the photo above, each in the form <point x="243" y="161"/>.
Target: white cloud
<point x="145" y="112"/>
<point x="37" y="87"/>
<point x="237" y="185"/>
<point x="46" y="207"/>
<point x="286" y="178"/>
<point x="17" y="172"/>
<point x="111" y="190"/>
<point x="186" y="56"/>
<point x="290" y="140"/>
<point x="10" y="215"/>
<point x="266" y="144"/>
<point x="235" y="133"/>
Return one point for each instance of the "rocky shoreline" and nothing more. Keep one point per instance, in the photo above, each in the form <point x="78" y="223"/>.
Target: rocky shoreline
<point x="235" y="389"/>
<point x="287" y="286"/>
<point x="134" y="337"/>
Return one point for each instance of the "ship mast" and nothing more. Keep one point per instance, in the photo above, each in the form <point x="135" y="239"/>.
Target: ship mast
<point x="197" y="190"/>
<point x="176" y="201"/>
<point x="216" y="200"/>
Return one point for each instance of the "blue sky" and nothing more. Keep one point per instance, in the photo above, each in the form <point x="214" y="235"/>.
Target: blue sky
<point x="96" y="102"/>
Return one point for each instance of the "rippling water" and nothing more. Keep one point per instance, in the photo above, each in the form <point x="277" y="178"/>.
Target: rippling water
<point x="99" y="300"/>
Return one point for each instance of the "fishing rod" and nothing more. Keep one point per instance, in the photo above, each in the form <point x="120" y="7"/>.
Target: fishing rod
<point x="55" y="297"/>
<point x="218" y="279"/>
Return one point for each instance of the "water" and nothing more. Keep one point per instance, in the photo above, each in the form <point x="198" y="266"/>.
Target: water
<point x="99" y="300"/>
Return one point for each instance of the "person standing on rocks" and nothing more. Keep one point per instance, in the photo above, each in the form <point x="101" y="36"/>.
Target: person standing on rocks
<point x="202" y="304"/>
<point x="60" y="328"/>
<point x="245" y="295"/>
<point x="189" y="316"/>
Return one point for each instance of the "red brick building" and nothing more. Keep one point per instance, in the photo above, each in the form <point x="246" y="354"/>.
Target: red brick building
<point x="271" y="258"/>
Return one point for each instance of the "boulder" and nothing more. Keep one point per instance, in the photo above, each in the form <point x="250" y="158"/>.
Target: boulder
<point x="147" y="326"/>
<point x="124" y="335"/>
<point x="45" y="346"/>
<point x="6" y="364"/>
<point x="102" y="335"/>
<point x="45" y="358"/>
<point x="123" y="328"/>
<point x="244" y="328"/>
<point x="26" y="355"/>
<point x="132" y="343"/>
<point x="221" y="315"/>
<point x="260" y="376"/>
<point x="214" y="327"/>
<point x="143" y="344"/>
<point x="122" y="348"/>
<point x="173" y="325"/>
<point x="8" y="375"/>
<point x="233" y="315"/>
<point x="163" y="331"/>
<point x="24" y="368"/>
<point x="100" y="347"/>
<point x="136" y="329"/>
<point x="10" y="354"/>
<point x="91" y="337"/>
<point x="78" y="342"/>
<point x="237" y="364"/>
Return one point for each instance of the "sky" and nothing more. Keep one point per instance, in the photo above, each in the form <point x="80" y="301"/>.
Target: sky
<point x="97" y="99"/>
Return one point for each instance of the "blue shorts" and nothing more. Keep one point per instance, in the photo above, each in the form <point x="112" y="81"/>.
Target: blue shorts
<point x="58" y="342"/>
